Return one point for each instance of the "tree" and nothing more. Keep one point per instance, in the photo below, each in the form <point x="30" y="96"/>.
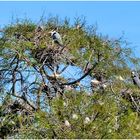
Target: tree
<point x="40" y="96"/>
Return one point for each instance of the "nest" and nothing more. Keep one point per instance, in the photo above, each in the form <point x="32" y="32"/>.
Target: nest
<point x="48" y="56"/>
<point x="11" y="127"/>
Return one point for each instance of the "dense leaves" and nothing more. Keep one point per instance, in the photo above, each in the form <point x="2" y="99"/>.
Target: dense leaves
<point x="80" y="90"/>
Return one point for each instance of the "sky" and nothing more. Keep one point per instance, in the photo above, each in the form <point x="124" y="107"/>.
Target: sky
<point x="113" y="18"/>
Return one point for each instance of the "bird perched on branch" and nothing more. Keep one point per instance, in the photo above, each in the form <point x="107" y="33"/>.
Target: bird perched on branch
<point x="135" y="77"/>
<point x="56" y="37"/>
<point x="119" y="78"/>
<point x="55" y="75"/>
<point x="95" y="82"/>
<point x="78" y="26"/>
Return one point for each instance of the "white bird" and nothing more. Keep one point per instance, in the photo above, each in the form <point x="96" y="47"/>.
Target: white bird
<point x="69" y="88"/>
<point x="74" y="116"/>
<point x="78" y="26"/>
<point x="56" y="38"/>
<point x="119" y="78"/>
<point x="64" y="104"/>
<point x="55" y="75"/>
<point x="104" y="86"/>
<point x="67" y="124"/>
<point x="87" y="120"/>
<point x="100" y="103"/>
<point x="95" y="82"/>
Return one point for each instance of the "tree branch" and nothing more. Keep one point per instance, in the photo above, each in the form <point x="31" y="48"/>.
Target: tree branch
<point x="78" y="80"/>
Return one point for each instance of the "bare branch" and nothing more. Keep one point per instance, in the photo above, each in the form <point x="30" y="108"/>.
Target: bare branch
<point x="78" y="80"/>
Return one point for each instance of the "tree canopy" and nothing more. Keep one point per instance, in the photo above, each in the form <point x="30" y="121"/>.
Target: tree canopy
<point x="82" y="89"/>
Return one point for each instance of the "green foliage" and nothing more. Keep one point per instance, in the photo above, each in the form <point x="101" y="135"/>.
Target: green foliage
<point x="108" y="119"/>
<point x="53" y="111"/>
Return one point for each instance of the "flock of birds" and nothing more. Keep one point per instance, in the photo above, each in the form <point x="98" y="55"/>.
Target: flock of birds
<point x="56" y="37"/>
<point x="135" y="76"/>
